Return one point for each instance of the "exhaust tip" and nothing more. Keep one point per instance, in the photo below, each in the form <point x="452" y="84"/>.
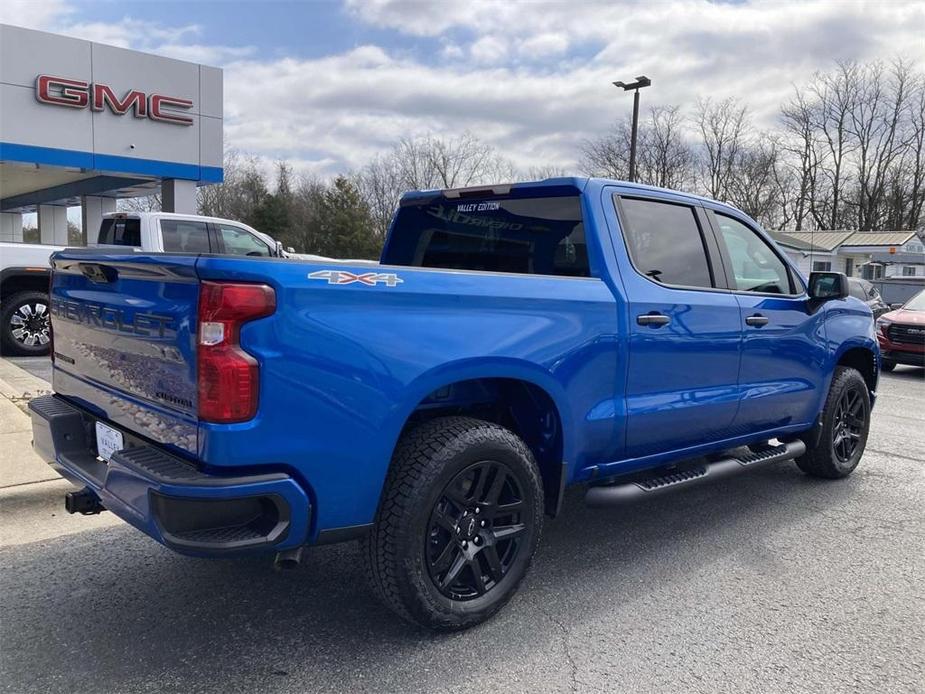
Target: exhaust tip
<point x="288" y="559"/>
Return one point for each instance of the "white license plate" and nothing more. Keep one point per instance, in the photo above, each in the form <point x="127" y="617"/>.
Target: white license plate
<point x="108" y="441"/>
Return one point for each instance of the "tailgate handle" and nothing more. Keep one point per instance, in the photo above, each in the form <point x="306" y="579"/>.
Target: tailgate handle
<point x="97" y="273"/>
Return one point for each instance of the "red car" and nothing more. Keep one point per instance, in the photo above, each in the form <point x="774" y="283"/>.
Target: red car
<point x="901" y="334"/>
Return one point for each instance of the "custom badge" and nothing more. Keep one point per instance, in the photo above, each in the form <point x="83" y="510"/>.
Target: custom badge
<point x="370" y="279"/>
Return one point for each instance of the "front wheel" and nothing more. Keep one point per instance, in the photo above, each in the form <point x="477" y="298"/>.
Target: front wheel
<point x="24" y="326"/>
<point x="458" y="524"/>
<point x="845" y="425"/>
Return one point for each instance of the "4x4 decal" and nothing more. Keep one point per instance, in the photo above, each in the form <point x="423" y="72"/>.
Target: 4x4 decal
<point x="370" y="279"/>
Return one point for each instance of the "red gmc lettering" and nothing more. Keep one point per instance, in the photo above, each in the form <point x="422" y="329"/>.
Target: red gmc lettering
<point x="159" y="101"/>
<point x="60" y="91"/>
<point x="103" y="95"/>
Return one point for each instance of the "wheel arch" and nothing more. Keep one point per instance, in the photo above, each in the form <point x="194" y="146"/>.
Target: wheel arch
<point x="20" y="279"/>
<point x="517" y="395"/>
<point x="863" y="357"/>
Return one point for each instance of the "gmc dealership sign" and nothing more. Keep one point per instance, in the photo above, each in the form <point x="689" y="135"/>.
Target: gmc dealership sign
<point x="61" y="91"/>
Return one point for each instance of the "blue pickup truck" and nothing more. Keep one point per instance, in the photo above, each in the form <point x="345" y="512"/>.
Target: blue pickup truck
<point x="513" y="341"/>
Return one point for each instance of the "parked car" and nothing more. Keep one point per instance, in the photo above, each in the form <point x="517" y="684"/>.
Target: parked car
<point x="513" y="341"/>
<point x="867" y="292"/>
<point x="901" y="334"/>
<point x="24" y="268"/>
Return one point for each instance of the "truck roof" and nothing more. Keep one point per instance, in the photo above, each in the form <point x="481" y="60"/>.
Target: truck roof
<point x="578" y="182"/>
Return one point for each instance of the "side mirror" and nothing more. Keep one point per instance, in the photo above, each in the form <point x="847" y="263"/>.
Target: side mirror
<point x="826" y="286"/>
<point x="290" y="249"/>
<point x="896" y="307"/>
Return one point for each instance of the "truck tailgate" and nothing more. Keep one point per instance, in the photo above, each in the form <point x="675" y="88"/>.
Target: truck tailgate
<point x="124" y="331"/>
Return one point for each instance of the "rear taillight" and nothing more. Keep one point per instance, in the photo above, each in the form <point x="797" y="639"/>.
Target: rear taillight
<point x="229" y="377"/>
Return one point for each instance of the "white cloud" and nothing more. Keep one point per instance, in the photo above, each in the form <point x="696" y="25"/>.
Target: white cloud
<point x="35" y="15"/>
<point x="489" y="50"/>
<point x="533" y="79"/>
<point x="539" y="112"/>
<point x="546" y="45"/>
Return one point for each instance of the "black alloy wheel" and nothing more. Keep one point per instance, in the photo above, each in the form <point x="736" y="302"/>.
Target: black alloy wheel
<point x="850" y="424"/>
<point x="834" y="448"/>
<point x="476" y="530"/>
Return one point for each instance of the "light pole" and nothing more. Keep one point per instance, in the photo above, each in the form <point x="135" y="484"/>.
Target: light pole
<point x="641" y="81"/>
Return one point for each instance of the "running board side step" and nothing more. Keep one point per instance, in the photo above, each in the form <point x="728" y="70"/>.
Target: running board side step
<point x="620" y="493"/>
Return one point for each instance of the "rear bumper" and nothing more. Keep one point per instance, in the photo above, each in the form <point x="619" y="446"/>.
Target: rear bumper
<point x="167" y="498"/>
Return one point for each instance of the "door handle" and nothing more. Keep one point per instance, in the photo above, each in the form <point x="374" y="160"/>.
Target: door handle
<point x="654" y="319"/>
<point x="757" y="320"/>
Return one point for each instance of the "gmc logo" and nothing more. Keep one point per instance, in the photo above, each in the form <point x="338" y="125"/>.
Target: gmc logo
<point x="61" y="91"/>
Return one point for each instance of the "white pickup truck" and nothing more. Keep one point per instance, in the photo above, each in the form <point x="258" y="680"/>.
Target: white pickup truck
<point x="24" y="267"/>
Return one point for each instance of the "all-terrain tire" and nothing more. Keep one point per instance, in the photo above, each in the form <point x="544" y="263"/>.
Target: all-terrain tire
<point x="846" y="414"/>
<point x="428" y="474"/>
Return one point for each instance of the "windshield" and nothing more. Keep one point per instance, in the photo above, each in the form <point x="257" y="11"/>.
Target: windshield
<point x="916" y="303"/>
<point x="528" y="235"/>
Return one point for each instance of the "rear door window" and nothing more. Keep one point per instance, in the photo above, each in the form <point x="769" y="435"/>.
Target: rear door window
<point x="118" y="231"/>
<point x="529" y="235"/>
<point x="665" y="242"/>
<point x="185" y="236"/>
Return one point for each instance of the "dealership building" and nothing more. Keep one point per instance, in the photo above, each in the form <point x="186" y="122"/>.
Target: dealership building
<point x="84" y="124"/>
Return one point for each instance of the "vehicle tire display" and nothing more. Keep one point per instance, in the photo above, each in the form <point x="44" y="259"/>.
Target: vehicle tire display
<point x="845" y="425"/>
<point x="24" y="325"/>
<point x="458" y="523"/>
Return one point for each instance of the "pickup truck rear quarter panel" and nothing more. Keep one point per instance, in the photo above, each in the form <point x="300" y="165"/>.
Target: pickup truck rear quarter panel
<point x="343" y="366"/>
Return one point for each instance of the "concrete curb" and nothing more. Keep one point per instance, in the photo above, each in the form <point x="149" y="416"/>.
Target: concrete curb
<point x="20" y="386"/>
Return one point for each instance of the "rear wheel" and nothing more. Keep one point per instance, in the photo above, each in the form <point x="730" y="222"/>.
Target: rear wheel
<point x="458" y="525"/>
<point x="845" y="424"/>
<point x="24" y="326"/>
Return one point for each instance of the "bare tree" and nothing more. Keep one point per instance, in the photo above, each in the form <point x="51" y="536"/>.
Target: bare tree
<point x="754" y="183"/>
<point x="835" y="94"/>
<point x="800" y="149"/>
<point x="143" y="203"/>
<point x="876" y="125"/>
<point x="723" y="126"/>
<point x="664" y="157"/>
<point x="913" y="164"/>
<point x="425" y="163"/>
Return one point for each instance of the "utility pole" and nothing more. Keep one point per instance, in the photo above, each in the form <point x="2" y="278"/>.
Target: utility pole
<point x="641" y="81"/>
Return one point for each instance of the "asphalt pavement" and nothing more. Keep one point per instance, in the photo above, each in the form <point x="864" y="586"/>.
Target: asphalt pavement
<point x="767" y="582"/>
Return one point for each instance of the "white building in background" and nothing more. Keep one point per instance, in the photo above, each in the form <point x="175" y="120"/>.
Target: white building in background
<point x="84" y="123"/>
<point x="867" y="254"/>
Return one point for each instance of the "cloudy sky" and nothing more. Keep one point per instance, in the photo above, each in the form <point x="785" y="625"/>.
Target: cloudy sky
<point x="328" y="84"/>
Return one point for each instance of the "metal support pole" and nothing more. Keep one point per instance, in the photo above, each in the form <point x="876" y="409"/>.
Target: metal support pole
<point x="632" y="176"/>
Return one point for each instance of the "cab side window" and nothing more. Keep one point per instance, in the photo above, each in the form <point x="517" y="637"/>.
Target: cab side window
<point x="241" y="242"/>
<point x="184" y="236"/>
<point x="755" y="265"/>
<point x="665" y="242"/>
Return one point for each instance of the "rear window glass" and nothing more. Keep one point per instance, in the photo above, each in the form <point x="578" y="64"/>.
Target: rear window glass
<point x="543" y="236"/>
<point x="120" y="232"/>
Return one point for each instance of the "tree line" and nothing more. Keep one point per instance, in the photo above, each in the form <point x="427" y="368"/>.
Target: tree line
<point x="847" y="152"/>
